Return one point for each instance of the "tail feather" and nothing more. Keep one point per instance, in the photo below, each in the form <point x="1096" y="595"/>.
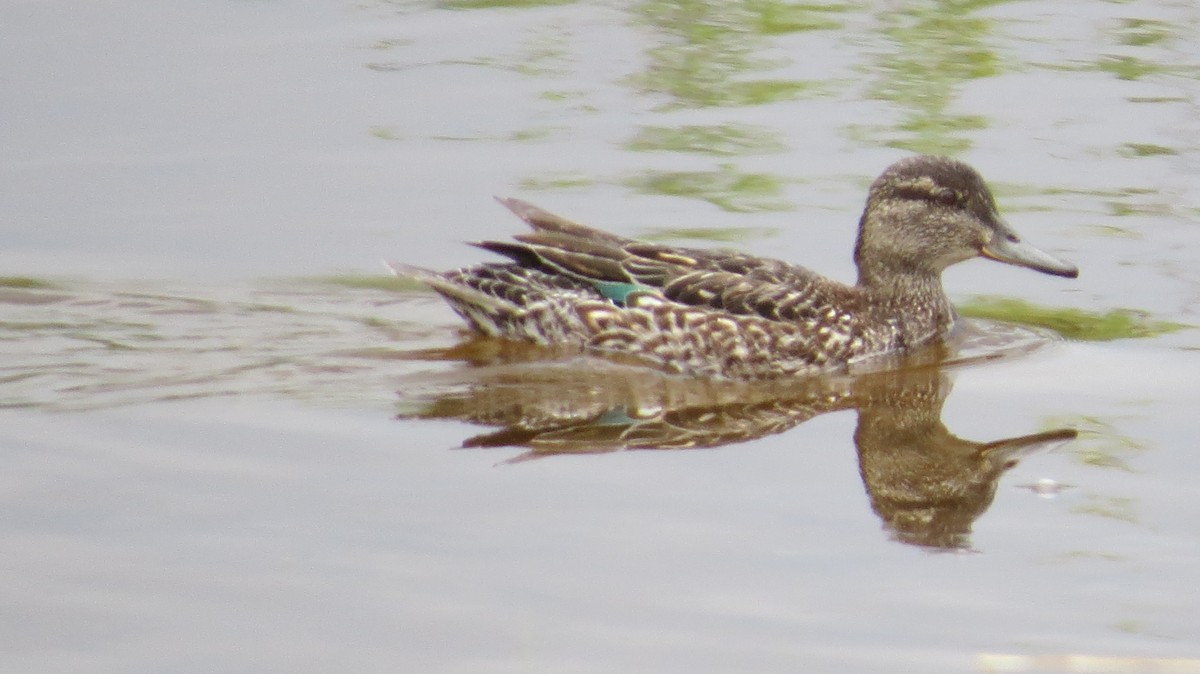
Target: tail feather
<point x="544" y="221"/>
<point x="459" y="295"/>
<point x="409" y="271"/>
<point x="559" y="246"/>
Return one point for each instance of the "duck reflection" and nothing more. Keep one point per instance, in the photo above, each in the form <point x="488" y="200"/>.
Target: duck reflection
<point x="926" y="484"/>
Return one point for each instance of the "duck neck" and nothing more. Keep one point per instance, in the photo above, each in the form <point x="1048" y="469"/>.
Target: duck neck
<point x="912" y="301"/>
<point x="898" y="280"/>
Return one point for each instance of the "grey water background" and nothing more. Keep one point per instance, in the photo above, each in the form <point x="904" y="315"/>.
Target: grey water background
<point x="200" y="375"/>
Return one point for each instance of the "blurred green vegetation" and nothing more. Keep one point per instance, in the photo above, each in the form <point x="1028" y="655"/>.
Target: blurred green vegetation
<point x="726" y="188"/>
<point x="706" y="49"/>
<point x="1091" y="326"/>
<point x="937" y="47"/>
<point x="25" y="282"/>
<point x="489" y="4"/>
<point x="720" y="139"/>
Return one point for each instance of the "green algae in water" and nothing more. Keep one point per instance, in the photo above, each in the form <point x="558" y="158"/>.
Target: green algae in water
<point x="1122" y="209"/>
<point x="563" y="95"/>
<point x="534" y="134"/>
<point x="391" y="43"/>
<point x="725" y="188"/>
<point x="719" y="139"/>
<point x="386" y="133"/>
<point x="779" y="18"/>
<point x="1114" y="232"/>
<point x="1132" y="68"/>
<point x="1111" y="507"/>
<point x="25" y="283"/>
<point x="1143" y="32"/>
<point x="491" y="4"/>
<point x="757" y="92"/>
<point x="1099" y="443"/>
<point x="1128" y="67"/>
<point x="1088" y="326"/>
<point x="1145" y="150"/>
<point x="706" y="52"/>
<point x="949" y="48"/>
<point x="561" y="182"/>
<point x="937" y="48"/>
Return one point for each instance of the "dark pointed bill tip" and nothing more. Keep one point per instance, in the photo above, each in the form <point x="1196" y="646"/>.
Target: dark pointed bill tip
<point x="1021" y="254"/>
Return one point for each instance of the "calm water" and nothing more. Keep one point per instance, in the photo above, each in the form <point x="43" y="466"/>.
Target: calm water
<point x="230" y="447"/>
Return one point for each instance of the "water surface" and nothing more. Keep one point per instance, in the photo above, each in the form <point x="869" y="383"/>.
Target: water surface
<point x="228" y="447"/>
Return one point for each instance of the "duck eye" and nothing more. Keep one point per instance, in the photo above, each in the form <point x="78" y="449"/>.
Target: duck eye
<point x="946" y="197"/>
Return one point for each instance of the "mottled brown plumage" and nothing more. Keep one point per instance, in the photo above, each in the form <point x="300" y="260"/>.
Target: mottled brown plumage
<point x="729" y="314"/>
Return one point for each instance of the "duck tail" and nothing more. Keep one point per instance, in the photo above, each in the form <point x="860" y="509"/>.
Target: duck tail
<point x="484" y="311"/>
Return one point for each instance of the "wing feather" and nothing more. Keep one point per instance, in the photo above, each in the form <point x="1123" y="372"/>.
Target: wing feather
<point x="738" y="283"/>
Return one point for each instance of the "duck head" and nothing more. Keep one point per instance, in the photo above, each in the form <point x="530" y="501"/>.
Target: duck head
<point x="926" y="213"/>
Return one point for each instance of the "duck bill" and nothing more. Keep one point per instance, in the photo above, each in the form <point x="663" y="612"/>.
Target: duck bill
<point x="1008" y="248"/>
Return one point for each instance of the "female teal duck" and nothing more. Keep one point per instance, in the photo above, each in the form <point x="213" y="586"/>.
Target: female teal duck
<point x="728" y="314"/>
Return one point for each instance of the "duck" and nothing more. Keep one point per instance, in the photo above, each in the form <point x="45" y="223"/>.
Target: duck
<point x="731" y="315"/>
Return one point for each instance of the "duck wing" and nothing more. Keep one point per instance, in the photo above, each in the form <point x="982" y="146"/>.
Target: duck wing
<point x="618" y="267"/>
